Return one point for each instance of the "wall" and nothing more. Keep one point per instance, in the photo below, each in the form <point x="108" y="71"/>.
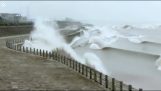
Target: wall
<point x="15" y="30"/>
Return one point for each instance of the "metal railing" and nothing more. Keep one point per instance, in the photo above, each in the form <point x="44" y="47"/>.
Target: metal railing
<point x="61" y="56"/>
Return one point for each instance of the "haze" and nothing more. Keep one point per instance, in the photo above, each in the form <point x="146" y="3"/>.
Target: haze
<point x="96" y="12"/>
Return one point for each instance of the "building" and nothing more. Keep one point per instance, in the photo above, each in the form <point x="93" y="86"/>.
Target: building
<point x="12" y="18"/>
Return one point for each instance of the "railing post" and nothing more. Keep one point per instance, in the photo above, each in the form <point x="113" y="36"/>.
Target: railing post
<point x="61" y="59"/>
<point x="86" y="71"/>
<point x="73" y="64"/>
<point x="90" y="73"/>
<point x="113" y="84"/>
<point x="17" y="47"/>
<point x="52" y="55"/>
<point x="121" y="86"/>
<point x="23" y="48"/>
<point x="64" y="60"/>
<point x="130" y="88"/>
<point x="100" y="77"/>
<point x="6" y="43"/>
<point x="40" y="52"/>
<point x="20" y="47"/>
<point x="95" y="75"/>
<point x="69" y="62"/>
<point x="106" y="81"/>
<point x="79" y="70"/>
<point x="82" y="69"/>
<point x="49" y="55"/>
<point x="56" y="56"/>
<point x="34" y="51"/>
<point x="140" y="89"/>
<point x="11" y="46"/>
<point x="76" y="67"/>
<point x="37" y="51"/>
<point x="14" y="46"/>
<point x="26" y="49"/>
<point x="57" y="59"/>
<point x="46" y="54"/>
<point x="30" y="50"/>
<point x="43" y="53"/>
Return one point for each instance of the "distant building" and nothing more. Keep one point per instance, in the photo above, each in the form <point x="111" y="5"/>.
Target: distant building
<point x="12" y="18"/>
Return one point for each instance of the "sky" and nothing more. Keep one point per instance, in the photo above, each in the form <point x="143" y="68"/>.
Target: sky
<point x="113" y="12"/>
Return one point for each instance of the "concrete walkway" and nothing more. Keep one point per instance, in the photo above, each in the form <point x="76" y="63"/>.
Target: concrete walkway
<point x="28" y="72"/>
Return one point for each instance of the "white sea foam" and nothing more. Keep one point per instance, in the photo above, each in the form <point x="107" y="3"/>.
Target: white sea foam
<point x="45" y="37"/>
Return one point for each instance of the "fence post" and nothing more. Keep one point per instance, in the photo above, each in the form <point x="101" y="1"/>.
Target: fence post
<point x="14" y="46"/>
<point x="140" y="89"/>
<point x="130" y="88"/>
<point x="56" y="56"/>
<point x="106" y="81"/>
<point x="90" y="73"/>
<point x="76" y="67"/>
<point x="26" y="49"/>
<point x="49" y="55"/>
<point x="64" y="60"/>
<point x="37" y="51"/>
<point x="43" y="53"/>
<point x="79" y="70"/>
<point x="121" y="86"/>
<point x="23" y="49"/>
<point x="20" y="47"/>
<point x="6" y="43"/>
<point x="40" y="52"/>
<point x="95" y="75"/>
<point x="86" y="71"/>
<point x="30" y="50"/>
<point x="17" y="47"/>
<point x="100" y="77"/>
<point x="52" y="54"/>
<point x="69" y="62"/>
<point x="113" y="84"/>
<point x="82" y="69"/>
<point x="11" y="45"/>
<point x="73" y="63"/>
<point x="46" y="54"/>
<point x="34" y="51"/>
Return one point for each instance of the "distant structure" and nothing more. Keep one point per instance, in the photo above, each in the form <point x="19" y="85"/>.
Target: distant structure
<point x="12" y="18"/>
<point x="70" y="28"/>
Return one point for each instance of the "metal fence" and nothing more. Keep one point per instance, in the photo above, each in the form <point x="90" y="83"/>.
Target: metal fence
<point x="61" y="56"/>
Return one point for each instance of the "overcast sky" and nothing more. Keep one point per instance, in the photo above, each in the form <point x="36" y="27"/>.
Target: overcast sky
<point x="89" y="11"/>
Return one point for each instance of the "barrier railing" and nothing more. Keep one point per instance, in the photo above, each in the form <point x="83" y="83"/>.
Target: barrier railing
<point x="61" y="56"/>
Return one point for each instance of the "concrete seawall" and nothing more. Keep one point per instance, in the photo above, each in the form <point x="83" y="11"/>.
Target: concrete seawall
<point x="15" y="30"/>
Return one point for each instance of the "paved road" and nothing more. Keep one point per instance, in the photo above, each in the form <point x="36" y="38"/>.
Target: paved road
<point x="25" y="71"/>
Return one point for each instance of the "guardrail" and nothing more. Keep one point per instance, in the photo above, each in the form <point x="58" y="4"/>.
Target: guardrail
<point x="61" y="56"/>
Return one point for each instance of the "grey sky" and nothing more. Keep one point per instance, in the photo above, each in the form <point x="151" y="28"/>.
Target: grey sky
<point x="89" y="11"/>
